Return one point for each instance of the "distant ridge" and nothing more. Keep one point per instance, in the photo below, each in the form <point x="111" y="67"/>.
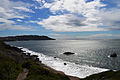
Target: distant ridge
<point x="25" y="38"/>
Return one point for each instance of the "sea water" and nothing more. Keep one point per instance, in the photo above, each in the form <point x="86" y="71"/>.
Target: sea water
<point x="91" y="56"/>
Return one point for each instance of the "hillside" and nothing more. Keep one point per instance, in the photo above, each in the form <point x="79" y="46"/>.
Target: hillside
<point x="25" y="38"/>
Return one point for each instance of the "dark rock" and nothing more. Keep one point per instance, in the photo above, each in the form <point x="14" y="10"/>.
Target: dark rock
<point x="34" y="56"/>
<point x="54" y="57"/>
<point x="15" y="48"/>
<point x="28" y="54"/>
<point x="37" y="59"/>
<point x="68" y="53"/>
<point x="113" y="55"/>
<point x="40" y="61"/>
<point x="65" y="63"/>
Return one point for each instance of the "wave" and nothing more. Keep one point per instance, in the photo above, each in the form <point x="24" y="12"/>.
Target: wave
<point x="71" y="69"/>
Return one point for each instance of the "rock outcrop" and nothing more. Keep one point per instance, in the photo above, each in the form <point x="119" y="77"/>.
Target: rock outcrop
<point x="113" y="55"/>
<point x="68" y="53"/>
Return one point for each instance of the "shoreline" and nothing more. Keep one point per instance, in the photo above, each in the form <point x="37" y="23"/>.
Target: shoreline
<point x="71" y="69"/>
<point x="44" y="65"/>
<point x="20" y="56"/>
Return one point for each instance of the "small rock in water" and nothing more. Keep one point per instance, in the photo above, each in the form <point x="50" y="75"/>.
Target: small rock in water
<point x="54" y="57"/>
<point x="65" y="63"/>
<point x="68" y="53"/>
<point x="113" y="55"/>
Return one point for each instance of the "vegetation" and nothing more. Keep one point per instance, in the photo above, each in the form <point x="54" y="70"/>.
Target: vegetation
<point x="9" y="69"/>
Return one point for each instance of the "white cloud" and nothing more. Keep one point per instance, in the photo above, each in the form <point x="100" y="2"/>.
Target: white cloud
<point x="31" y="21"/>
<point x="18" y="27"/>
<point x="89" y="10"/>
<point x="19" y="20"/>
<point x="24" y="9"/>
<point x="14" y="27"/>
<point x="40" y="1"/>
<point x="68" y="23"/>
<point x="110" y="18"/>
<point x="63" y="23"/>
<point x="6" y="21"/>
<point x="95" y="16"/>
<point x="8" y="11"/>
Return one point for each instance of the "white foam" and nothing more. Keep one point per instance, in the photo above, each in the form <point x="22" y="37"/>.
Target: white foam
<point x="71" y="69"/>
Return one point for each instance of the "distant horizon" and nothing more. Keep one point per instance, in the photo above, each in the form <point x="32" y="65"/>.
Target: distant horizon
<point x="63" y="38"/>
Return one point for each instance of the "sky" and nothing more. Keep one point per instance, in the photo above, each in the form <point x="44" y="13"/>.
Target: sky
<point x="61" y="19"/>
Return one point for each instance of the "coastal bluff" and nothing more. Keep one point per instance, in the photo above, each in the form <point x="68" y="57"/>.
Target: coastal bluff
<point x="25" y="38"/>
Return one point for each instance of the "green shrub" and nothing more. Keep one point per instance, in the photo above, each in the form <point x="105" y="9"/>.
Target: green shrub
<point x="9" y="69"/>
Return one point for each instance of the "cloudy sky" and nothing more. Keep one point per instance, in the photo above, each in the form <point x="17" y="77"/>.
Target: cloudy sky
<point x="61" y="19"/>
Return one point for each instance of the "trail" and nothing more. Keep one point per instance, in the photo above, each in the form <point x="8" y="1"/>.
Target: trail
<point x="23" y="75"/>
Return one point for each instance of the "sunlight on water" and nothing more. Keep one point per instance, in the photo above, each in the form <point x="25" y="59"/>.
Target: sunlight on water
<point x="87" y="52"/>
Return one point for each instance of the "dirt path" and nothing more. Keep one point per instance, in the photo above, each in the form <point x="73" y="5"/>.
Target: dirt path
<point x="73" y="78"/>
<point x="23" y="75"/>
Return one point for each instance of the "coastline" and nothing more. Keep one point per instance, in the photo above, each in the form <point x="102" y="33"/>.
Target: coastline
<point x="104" y="75"/>
<point x="71" y="69"/>
<point x="20" y="56"/>
<point x="44" y="65"/>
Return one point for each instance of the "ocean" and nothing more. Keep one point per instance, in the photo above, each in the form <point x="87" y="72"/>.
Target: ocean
<point x="91" y="56"/>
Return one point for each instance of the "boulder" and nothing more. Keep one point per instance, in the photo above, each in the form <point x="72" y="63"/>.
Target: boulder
<point x="113" y="55"/>
<point x="65" y="63"/>
<point x="68" y="53"/>
<point x="54" y="57"/>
